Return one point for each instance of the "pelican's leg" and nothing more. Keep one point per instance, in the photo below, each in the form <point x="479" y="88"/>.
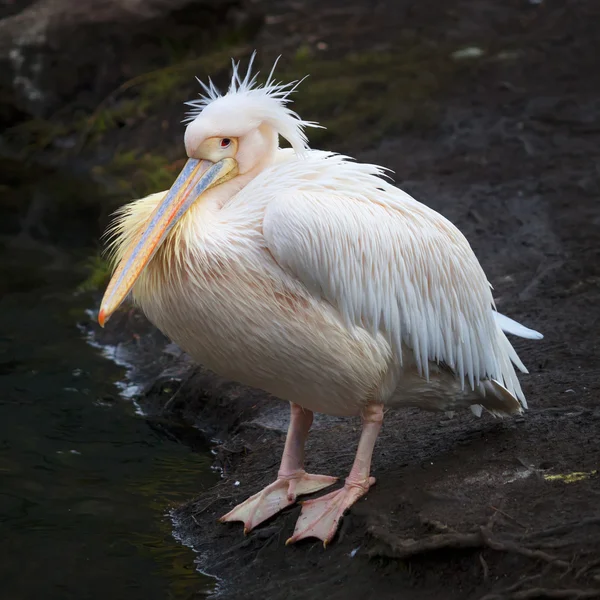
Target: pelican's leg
<point x="320" y="517"/>
<point x="291" y="480"/>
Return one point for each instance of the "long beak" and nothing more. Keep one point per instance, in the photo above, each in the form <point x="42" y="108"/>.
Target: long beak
<point x="196" y="177"/>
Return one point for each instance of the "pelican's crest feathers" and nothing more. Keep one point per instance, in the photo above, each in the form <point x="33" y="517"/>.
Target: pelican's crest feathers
<point x="248" y="104"/>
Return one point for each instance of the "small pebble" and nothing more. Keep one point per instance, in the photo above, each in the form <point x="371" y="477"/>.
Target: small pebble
<point x="470" y="52"/>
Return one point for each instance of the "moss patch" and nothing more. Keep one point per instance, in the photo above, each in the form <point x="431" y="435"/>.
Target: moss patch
<point x="71" y="131"/>
<point x="98" y="271"/>
<point x="362" y="97"/>
<point x="150" y="93"/>
<point x="133" y="174"/>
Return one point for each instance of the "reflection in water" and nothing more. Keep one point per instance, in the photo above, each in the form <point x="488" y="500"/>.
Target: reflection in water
<point x="85" y="482"/>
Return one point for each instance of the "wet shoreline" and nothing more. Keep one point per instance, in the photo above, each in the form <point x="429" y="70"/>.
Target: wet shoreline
<point x="87" y="482"/>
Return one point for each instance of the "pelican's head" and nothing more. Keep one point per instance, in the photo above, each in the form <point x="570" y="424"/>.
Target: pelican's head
<point x="228" y="136"/>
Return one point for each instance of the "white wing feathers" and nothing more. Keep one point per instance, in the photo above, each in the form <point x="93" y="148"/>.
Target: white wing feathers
<point x="509" y="326"/>
<point x="395" y="267"/>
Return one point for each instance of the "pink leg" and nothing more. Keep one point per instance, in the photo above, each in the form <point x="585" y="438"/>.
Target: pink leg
<point x="291" y="480"/>
<point x="320" y="517"/>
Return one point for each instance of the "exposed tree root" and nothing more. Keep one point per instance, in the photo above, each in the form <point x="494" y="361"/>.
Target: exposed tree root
<point x="538" y="592"/>
<point x="399" y="548"/>
<point x="562" y="529"/>
<point x="588" y="567"/>
<point x="482" y="538"/>
<point x="393" y="547"/>
<point x="508" y="546"/>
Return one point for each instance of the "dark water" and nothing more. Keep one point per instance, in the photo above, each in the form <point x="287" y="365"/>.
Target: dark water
<point x="85" y="482"/>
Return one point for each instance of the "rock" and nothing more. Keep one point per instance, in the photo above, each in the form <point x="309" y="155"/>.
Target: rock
<point x="59" y="52"/>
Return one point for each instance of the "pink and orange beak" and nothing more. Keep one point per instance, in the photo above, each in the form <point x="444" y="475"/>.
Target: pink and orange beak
<point x="196" y="177"/>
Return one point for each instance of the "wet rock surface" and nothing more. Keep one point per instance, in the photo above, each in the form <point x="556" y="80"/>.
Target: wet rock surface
<point x="496" y="124"/>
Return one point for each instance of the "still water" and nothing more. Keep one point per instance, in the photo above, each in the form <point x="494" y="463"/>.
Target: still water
<point x="85" y="483"/>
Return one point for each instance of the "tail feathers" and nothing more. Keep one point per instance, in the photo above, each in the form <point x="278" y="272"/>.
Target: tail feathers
<point x="497" y="400"/>
<point x="509" y="326"/>
<point x="477" y="410"/>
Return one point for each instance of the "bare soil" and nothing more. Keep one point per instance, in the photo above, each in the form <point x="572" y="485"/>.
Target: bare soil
<point x="463" y="508"/>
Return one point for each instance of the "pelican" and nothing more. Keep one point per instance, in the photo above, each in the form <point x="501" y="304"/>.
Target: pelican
<point x="310" y="276"/>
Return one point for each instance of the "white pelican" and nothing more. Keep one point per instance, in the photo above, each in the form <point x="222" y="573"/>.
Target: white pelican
<point x="307" y="275"/>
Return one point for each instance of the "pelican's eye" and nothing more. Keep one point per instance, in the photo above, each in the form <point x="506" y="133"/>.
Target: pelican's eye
<point x="225" y="143"/>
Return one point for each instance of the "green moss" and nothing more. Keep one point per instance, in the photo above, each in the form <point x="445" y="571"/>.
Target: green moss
<point x="136" y="175"/>
<point x="35" y="135"/>
<point x="98" y="271"/>
<point x="146" y="94"/>
<point x="134" y="100"/>
<point x="304" y="53"/>
<point x="362" y="97"/>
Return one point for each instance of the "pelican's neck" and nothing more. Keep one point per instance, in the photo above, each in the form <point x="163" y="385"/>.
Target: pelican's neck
<point x="256" y="153"/>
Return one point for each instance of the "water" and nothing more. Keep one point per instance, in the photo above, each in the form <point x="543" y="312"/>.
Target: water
<point x="85" y="482"/>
